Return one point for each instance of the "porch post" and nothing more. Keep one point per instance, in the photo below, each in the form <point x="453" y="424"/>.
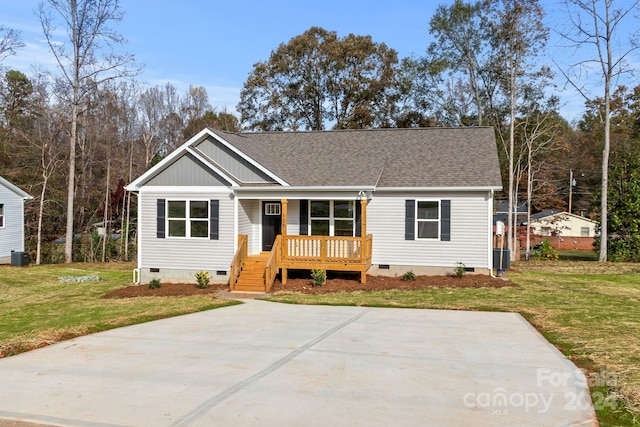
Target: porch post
<point x="363" y="236"/>
<point x="283" y="232"/>
<point x="283" y="212"/>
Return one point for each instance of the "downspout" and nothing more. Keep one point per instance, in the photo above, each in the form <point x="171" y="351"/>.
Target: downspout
<point x="490" y="204"/>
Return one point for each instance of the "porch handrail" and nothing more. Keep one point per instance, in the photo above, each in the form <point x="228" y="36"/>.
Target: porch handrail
<point x="327" y="249"/>
<point x="239" y="259"/>
<point x="271" y="269"/>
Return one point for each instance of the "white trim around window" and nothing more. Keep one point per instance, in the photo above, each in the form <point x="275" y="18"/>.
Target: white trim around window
<point x="332" y="218"/>
<point x="187" y="219"/>
<point x="1" y="215"/>
<point x="428" y="214"/>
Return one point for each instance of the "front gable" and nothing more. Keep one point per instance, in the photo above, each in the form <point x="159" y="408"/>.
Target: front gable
<point x="187" y="170"/>
<point x="237" y="166"/>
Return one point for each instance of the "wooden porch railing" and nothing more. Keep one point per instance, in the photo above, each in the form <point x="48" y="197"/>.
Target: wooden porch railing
<point x="307" y="253"/>
<point x="324" y="251"/>
<point x="239" y="259"/>
<point x="272" y="267"/>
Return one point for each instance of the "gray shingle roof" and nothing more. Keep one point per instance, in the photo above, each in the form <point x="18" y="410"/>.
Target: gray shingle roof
<point x="414" y="157"/>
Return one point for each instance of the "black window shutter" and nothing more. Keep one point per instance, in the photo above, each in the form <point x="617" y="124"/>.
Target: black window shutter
<point x="445" y="221"/>
<point x="358" y="219"/>
<point x="160" y="218"/>
<point x="214" y="219"/>
<point x="304" y="217"/>
<point x="410" y="220"/>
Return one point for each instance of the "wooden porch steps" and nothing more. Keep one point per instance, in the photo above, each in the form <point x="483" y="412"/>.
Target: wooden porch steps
<point x="251" y="277"/>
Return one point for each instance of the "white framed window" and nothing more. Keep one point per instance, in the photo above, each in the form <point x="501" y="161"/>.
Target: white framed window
<point x="188" y="218"/>
<point x="1" y="215"/>
<point x="584" y="231"/>
<point x="332" y="217"/>
<point x="272" y="209"/>
<point x="428" y="219"/>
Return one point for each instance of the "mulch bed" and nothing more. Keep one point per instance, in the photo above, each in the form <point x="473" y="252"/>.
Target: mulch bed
<point x="300" y="282"/>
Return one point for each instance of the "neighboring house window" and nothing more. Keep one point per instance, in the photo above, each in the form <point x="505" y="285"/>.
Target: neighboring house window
<point x="584" y="231"/>
<point x="1" y="215"/>
<point x="428" y="219"/>
<point x="545" y="231"/>
<point x="332" y="217"/>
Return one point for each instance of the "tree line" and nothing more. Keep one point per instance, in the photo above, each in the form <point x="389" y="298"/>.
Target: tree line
<point x="75" y="136"/>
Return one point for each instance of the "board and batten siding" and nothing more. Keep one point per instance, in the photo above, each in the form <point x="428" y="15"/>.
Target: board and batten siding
<point x="232" y="162"/>
<point x="470" y="226"/>
<point x="12" y="231"/>
<point x="184" y="172"/>
<point x="182" y="253"/>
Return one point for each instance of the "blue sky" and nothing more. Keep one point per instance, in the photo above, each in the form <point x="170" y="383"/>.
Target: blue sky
<point x="215" y="43"/>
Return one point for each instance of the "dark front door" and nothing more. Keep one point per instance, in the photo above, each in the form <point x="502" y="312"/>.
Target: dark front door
<point x="271" y="224"/>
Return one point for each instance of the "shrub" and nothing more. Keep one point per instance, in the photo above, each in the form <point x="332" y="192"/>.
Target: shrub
<point x="409" y="275"/>
<point x="460" y="271"/>
<point x="202" y="279"/>
<point x="154" y="283"/>
<point x="319" y="277"/>
<point x="544" y="251"/>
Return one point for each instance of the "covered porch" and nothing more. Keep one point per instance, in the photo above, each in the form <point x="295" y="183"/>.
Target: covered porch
<point x="257" y="272"/>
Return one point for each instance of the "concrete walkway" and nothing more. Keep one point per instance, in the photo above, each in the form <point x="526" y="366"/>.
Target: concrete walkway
<point x="271" y="364"/>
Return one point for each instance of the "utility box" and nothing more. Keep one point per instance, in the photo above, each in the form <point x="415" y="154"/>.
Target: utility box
<point x="19" y="259"/>
<point x="506" y="259"/>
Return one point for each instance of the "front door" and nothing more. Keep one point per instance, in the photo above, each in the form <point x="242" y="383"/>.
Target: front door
<point x="271" y="224"/>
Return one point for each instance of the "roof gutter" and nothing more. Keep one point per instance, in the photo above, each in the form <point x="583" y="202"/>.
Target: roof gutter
<point x="443" y="189"/>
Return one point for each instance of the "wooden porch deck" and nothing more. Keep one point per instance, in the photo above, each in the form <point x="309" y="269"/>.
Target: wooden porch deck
<point x="256" y="273"/>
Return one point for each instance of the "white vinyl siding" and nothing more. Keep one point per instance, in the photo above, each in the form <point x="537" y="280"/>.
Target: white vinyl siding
<point x="249" y="223"/>
<point x="175" y="253"/>
<point x="470" y="227"/>
<point x="12" y="230"/>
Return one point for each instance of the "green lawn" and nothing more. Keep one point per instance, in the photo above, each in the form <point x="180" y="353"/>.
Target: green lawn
<point x="36" y="308"/>
<point x="590" y="311"/>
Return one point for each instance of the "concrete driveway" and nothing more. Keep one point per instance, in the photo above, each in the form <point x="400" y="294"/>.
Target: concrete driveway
<point x="271" y="364"/>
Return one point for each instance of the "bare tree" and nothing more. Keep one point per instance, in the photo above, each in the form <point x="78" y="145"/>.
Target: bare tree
<point x="152" y="112"/>
<point x="596" y="27"/>
<point x="518" y="36"/>
<point x="10" y="41"/>
<point x="85" y="59"/>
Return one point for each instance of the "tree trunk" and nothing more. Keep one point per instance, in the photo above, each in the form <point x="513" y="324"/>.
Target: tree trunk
<point x="68" y="244"/>
<point x="40" y="214"/>
<point x="105" y="217"/>
<point x="604" y="235"/>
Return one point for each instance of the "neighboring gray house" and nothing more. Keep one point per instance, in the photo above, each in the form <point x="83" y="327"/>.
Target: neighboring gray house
<point x="245" y="206"/>
<point x="11" y="219"/>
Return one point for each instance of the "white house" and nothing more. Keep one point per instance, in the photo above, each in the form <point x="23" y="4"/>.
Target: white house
<point x="246" y="206"/>
<point x="11" y="219"/>
<point x="562" y="224"/>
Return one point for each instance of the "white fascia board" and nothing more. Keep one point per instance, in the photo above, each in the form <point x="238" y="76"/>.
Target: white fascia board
<point x="136" y="184"/>
<point x="186" y="189"/>
<point x="249" y="159"/>
<point x="292" y="193"/>
<point x="439" y="189"/>
<point x="212" y="167"/>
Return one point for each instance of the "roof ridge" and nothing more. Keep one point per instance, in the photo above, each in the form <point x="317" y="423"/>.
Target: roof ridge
<point x="280" y="132"/>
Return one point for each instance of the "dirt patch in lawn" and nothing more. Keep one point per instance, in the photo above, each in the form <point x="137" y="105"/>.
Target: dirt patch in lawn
<point x="301" y="282"/>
